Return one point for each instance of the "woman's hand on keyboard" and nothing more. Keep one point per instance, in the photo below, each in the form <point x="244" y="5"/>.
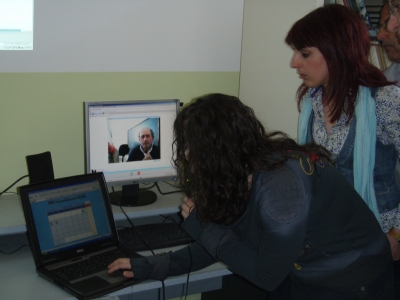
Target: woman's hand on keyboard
<point x="187" y="207"/>
<point x="121" y="265"/>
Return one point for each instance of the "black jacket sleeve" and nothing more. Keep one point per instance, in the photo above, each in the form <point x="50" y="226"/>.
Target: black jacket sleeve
<point x="188" y="259"/>
<point x="282" y="209"/>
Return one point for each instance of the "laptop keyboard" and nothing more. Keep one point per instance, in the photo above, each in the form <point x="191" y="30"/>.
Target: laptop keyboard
<point x="158" y="235"/>
<point x="87" y="266"/>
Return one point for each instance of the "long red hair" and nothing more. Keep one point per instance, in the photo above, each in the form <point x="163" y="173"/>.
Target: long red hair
<point x="342" y="38"/>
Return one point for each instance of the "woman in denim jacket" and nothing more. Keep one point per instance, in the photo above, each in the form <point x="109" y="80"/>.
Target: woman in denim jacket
<point x="349" y="107"/>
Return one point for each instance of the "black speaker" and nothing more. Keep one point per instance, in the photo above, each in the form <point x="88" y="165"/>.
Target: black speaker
<point x="40" y="167"/>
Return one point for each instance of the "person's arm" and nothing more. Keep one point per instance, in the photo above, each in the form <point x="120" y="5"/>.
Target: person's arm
<point x="282" y="212"/>
<point x="388" y="116"/>
<point x="158" y="267"/>
<point x="394" y="239"/>
<point x="388" y="120"/>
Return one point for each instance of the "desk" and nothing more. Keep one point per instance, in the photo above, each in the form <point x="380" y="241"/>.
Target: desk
<point x="18" y="278"/>
<point x="12" y="219"/>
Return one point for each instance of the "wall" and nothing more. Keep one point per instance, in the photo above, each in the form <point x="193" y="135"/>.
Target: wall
<point x="161" y="49"/>
<point x="267" y="83"/>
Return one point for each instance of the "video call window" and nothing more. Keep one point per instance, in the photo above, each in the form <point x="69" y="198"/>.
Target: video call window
<point x="138" y="136"/>
<point x="133" y="136"/>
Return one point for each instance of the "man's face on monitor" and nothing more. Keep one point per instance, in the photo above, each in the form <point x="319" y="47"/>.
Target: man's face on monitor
<point x="146" y="140"/>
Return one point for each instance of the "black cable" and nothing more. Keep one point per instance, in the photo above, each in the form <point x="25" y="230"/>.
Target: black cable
<point x="147" y="245"/>
<point x="158" y="188"/>
<point x="13" y="184"/>
<point x="163" y="289"/>
<point x="12" y="252"/>
<point x="168" y="218"/>
<point x="147" y="188"/>
<point x="175" y="186"/>
<point x="134" y="227"/>
<point x="190" y="268"/>
<point x="143" y="239"/>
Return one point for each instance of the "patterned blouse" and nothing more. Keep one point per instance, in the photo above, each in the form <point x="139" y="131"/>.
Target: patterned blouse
<point x="387" y="100"/>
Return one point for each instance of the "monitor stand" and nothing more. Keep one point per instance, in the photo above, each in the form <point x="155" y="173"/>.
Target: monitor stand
<point x="131" y="195"/>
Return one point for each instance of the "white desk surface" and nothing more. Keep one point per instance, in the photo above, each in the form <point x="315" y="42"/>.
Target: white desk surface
<point x="12" y="219"/>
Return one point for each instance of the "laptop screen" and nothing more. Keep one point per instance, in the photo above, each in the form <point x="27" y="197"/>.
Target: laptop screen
<point x="69" y="216"/>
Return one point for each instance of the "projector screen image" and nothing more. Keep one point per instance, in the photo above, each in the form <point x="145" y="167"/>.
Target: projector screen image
<point x="130" y="141"/>
<point x="16" y="24"/>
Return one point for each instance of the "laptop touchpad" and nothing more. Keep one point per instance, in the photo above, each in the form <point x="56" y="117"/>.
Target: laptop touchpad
<point x="90" y="284"/>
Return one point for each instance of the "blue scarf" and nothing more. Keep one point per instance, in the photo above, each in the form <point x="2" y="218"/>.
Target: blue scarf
<point x="364" y="144"/>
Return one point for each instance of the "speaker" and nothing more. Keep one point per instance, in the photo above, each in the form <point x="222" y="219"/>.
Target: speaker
<point x="40" y="167"/>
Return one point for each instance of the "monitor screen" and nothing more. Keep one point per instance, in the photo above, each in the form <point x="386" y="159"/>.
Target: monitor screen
<point x="131" y="142"/>
<point x="69" y="215"/>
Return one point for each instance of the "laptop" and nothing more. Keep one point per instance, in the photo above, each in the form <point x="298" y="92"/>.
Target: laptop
<point x="70" y="221"/>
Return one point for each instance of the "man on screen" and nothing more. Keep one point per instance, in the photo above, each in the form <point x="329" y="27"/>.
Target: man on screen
<point x="146" y="150"/>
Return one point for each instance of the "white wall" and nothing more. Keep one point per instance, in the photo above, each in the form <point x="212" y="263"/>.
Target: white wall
<point x="267" y="83"/>
<point x="131" y="36"/>
<point x="101" y="50"/>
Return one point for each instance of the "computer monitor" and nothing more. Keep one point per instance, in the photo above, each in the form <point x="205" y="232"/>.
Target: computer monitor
<point x="131" y="143"/>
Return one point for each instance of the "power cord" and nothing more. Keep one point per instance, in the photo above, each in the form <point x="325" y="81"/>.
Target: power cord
<point x="134" y="227"/>
<point x="148" y="247"/>
<point x="158" y="188"/>
<point x="188" y="247"/>
<point x="175" y="186"/>
<point x="19" y="179"/>
<point x="169" y="218"/>
<point x="3" y="192"/>
<point x="12" y="252"/>
<point x="145" y="242"/>
<point x="155" y="184"/>
<point x="188" y="274"/>
<point x="147" y="188"/>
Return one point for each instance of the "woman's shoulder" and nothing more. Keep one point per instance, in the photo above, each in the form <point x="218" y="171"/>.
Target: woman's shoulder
<point x="387" y="101"/>
<point x="279" y="194"/>
<point x="387" y="92"/>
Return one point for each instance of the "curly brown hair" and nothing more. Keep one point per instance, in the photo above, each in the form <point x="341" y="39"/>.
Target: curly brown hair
<point x="224" y="144"/>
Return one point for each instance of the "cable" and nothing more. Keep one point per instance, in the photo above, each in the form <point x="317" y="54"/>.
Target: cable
<point x="175" y="186"/>
<point x="190" y="268"/>
<point x="13" y="184"/>
<point x="143" y="239"/>
<point x="147" y="188"/>
<point x="147" y="245"/>
<point x="158" y="188"/>
<point x="190" y="254"/>
<point x="162" y="289"/>
<point x="12" y="252"/>
<point x="145" y="242"/>
<point x="169" y="218"/>
<point x="134" y="227"/>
